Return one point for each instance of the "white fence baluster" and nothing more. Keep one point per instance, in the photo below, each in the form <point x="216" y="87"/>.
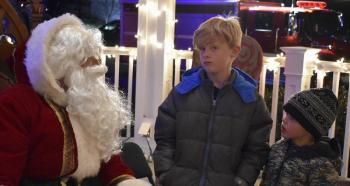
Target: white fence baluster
<point x="320" y="77"/>
<point x="177" y="71"/>
<point x="274" y="104"/>
<point x="188" y="64"/>
<point x="262" y="82"/>
<point x="344" y="171"/>
<point x="335" y="88"/>
<point x="116" y="71"/>
<point x="130" y="79"/>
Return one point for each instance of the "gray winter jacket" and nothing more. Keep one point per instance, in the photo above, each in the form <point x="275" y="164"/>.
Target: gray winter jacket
<point x="202" y="141"/>
<point x="290" y="165"/>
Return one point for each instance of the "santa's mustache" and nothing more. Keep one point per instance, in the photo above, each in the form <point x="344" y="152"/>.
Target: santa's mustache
<point x="83" y="76"/>
<point x="95" y="71"/>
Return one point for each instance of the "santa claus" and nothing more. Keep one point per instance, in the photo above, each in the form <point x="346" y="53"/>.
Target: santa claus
<point x="64" y="125"/>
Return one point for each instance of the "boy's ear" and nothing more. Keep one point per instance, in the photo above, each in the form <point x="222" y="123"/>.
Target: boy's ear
<point x="235" y="51"/>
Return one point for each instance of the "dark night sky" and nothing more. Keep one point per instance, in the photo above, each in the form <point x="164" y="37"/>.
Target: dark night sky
<point x="344" y="7"/>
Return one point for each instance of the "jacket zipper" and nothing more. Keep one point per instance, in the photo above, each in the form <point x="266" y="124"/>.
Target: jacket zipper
<point x="208" y="144"/>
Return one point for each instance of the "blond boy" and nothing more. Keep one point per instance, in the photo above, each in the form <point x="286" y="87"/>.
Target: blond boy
<point x="213" y="127"/>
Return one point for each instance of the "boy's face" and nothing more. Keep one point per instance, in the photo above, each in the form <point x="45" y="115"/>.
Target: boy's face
<point x="216" y="56"/>
<point x="291" y="129"/>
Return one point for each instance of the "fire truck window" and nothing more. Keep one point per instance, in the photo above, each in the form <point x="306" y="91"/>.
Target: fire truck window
<point x="325" y="24"/>
<point x="263" y="21"/>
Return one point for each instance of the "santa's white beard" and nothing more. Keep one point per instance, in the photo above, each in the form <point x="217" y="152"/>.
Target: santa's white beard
<point x="101" y="111"/>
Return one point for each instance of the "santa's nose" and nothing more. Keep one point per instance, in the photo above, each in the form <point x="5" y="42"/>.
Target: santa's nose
<point x="91" y="61"/>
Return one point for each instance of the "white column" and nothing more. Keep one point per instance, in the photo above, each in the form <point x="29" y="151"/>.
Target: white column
<point x="154" y="61"/>
<point x="298" y="69"/>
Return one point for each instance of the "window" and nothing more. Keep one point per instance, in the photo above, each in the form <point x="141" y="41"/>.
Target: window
<point x="264" y="21"/>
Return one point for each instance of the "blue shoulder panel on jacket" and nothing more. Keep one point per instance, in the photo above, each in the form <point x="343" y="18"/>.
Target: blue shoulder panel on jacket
<point x="245" y="86"/>
<point x="190" y="80"/>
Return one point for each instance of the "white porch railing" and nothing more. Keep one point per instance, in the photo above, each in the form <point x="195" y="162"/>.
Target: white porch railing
<point x="116" y="52"/>
<point x="299" y="79"/>
<point x="131" y="52"/>
<point x="299" y="65"/>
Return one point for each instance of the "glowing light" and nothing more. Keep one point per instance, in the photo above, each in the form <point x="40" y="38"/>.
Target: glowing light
<point x="136" y="36"/>
<point x="143" y="42"/>
<point x="7" y="38"/>
<point x="272" y="65"/>
<point x="278" y="9"/>
<point x="141" y="7"/>
<point x="122" y="48"/>
<point x="280" y="55"/>
<point x="311" y="4"/>
<point x="340" y="60"/>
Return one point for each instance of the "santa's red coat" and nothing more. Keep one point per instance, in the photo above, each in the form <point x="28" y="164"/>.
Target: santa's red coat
<point x="37" y="141"/>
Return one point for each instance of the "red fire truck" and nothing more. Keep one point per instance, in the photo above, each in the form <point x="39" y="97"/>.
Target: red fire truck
<point x="309" y="23"/>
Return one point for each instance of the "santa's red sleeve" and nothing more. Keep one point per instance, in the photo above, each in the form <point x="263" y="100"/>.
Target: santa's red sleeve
<point x="13" y="141"/>
<point x="115" y="171"/>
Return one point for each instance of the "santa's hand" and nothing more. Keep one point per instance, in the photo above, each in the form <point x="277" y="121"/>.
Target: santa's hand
<point x="134" y="182"/>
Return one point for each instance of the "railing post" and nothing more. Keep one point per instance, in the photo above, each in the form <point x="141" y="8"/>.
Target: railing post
<point x="346" y="147"/>
<point x="298" y="69"/>
<point x="155" y="45"/>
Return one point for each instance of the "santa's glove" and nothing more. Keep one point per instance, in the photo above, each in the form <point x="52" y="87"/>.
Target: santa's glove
<point x="240" y="182"/>
<point x="134" y="182"/>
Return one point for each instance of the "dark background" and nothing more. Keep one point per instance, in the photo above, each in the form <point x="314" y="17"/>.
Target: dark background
<point x="98" y="12"/>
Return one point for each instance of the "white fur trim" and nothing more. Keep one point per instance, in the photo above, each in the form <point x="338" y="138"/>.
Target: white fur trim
<point x="40" y="74"/>
<point x="89" y="159"/>
<point x="134" y="182"/>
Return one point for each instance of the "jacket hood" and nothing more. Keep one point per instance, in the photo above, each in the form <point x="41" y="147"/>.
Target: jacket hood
<point x="243" y="84"/>
<point x="41" y="75"/>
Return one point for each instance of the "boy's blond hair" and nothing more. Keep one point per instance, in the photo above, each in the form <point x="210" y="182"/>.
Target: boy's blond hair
<point x="228" y="27"/>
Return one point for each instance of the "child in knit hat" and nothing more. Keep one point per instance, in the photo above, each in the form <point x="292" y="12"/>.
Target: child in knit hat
<point x="306" y="156"/>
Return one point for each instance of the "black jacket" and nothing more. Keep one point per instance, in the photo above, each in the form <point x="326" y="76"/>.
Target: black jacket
<point x="202" y="141"/>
